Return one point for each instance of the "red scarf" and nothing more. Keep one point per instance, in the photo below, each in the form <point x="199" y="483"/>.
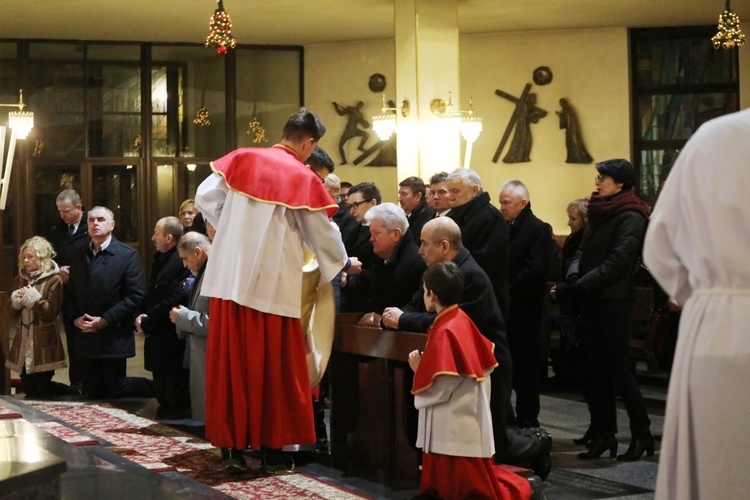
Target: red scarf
<point x="603" y="208"/>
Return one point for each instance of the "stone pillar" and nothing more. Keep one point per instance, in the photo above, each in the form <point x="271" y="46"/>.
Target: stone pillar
<point x="426" y="35"/>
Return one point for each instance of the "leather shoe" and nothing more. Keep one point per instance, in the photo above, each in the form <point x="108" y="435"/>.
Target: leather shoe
<point x="636" y="449"/>
<point x="542" y="463"/>
<point x="537" y="488"/>
<point x="233" y="460"/>
<point x="273" y="461"/>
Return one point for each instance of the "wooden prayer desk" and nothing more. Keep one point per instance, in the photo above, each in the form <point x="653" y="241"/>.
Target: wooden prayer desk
<point x="372" y="408"/>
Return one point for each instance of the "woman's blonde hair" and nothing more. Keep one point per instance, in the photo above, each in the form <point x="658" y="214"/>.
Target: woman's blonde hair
<point x="43" y="252"/>
<point x="582" y="207"/>
<point x="186" y="203"/>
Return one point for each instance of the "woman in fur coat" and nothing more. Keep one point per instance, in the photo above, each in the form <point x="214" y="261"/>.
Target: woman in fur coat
<point x="37" y="350"/>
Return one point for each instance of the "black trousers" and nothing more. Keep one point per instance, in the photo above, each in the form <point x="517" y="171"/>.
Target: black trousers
<point x="525" y="352"/>
<point x="607" y="339"/>
<point x="172" y="388"/>
<point x="107" y="379"/>
<point x="37" y="385"/>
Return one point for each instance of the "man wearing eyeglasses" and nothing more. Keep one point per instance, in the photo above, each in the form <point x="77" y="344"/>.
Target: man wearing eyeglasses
<point x="362" y="198"/>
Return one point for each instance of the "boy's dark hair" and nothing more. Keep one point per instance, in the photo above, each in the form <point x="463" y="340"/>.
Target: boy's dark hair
<point x="369" y="191"/>
<point x="346" y="184"/>
<point x="320" y="159"/>
<point x="447" y="282"/>
<point x="302" y="124"/>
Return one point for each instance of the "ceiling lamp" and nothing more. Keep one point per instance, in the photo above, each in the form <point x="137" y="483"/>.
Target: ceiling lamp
<point x="469" y="125"/>
<point x="729" y="35"/>
<point x="20" y="121"/>
<point x="220" y="35"/>
<point x="384" y="124"/>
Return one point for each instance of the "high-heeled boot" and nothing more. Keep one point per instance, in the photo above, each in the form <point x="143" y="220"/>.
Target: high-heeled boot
<point x="587" y="438"/>
<point x="636" y="449"/>
<point x="599" y="446"/>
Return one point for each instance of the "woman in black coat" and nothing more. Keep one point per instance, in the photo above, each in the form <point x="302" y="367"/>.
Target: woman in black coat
<point x="605" y="291"/>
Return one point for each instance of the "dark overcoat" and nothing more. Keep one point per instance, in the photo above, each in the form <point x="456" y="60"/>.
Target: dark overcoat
<point x="485" y="234"/>
<point x="112" y="286"/>
<point x="162" y="350"/>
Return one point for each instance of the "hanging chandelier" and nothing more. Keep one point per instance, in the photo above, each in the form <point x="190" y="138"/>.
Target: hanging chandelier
<point x="220" y="35"/>
<point x="20" y="121"/>
<point x="729" y="35"/>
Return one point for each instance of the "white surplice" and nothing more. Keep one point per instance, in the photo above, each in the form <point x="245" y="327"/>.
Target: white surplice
<point x="698" y="248"/>
<point x="260" y="266"/>
<point x="455" y="418"/>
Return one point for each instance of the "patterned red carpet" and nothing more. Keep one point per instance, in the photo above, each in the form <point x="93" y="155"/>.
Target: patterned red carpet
<point x="161" y="448"/>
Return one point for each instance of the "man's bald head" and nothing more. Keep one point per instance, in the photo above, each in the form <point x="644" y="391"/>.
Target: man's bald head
<point x="445" y="228"/>
<point x="440" y="241"/>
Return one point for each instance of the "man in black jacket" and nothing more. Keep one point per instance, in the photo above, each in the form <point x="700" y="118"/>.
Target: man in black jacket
<point x="397" y="267"/>
<point x="105" y="290"/>
<point x="529" y="263"/>
<point x="362" y="197"/>
<point x="163" y="351"/>
<point x="70" y="234"/>
<point x="483" y="230"/>
<point x="441" y="242"/>
<point x="412" y="198"/>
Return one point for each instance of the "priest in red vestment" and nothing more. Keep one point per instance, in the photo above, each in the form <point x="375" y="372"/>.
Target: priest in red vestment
<point x="264" y="203"/>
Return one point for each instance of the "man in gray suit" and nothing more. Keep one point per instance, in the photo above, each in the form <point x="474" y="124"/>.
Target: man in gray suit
<point x="192" y="321"/>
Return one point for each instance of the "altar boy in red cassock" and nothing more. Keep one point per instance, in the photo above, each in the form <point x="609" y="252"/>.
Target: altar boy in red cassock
<point x="452" y="393"/>
<point x="264" y="203"/>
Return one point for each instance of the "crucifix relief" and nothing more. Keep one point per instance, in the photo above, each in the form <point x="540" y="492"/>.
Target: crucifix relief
<point x="525" y="113"/>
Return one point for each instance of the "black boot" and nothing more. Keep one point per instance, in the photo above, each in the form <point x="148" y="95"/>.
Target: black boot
<point x="587" y="438"/>
<point x="599" y="446"/>
<point x="636" y="449"/>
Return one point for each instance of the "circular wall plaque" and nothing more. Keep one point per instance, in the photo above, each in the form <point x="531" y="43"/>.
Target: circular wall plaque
<point x="376" y="83"/>
<point x="542" y="75"/>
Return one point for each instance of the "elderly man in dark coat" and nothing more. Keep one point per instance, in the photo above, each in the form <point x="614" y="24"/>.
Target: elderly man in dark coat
<point x="397" y="268"/>
<point x="163" y="351"/>
<point x="441" y="242"/>
<point x="483" y="230"/>
<point x="105" y="289"/>
<point x="531" y="250"/>
<point x="191" y="321"/>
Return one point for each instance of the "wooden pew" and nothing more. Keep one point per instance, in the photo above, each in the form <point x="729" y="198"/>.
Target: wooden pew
<point x="371" y="403"/>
